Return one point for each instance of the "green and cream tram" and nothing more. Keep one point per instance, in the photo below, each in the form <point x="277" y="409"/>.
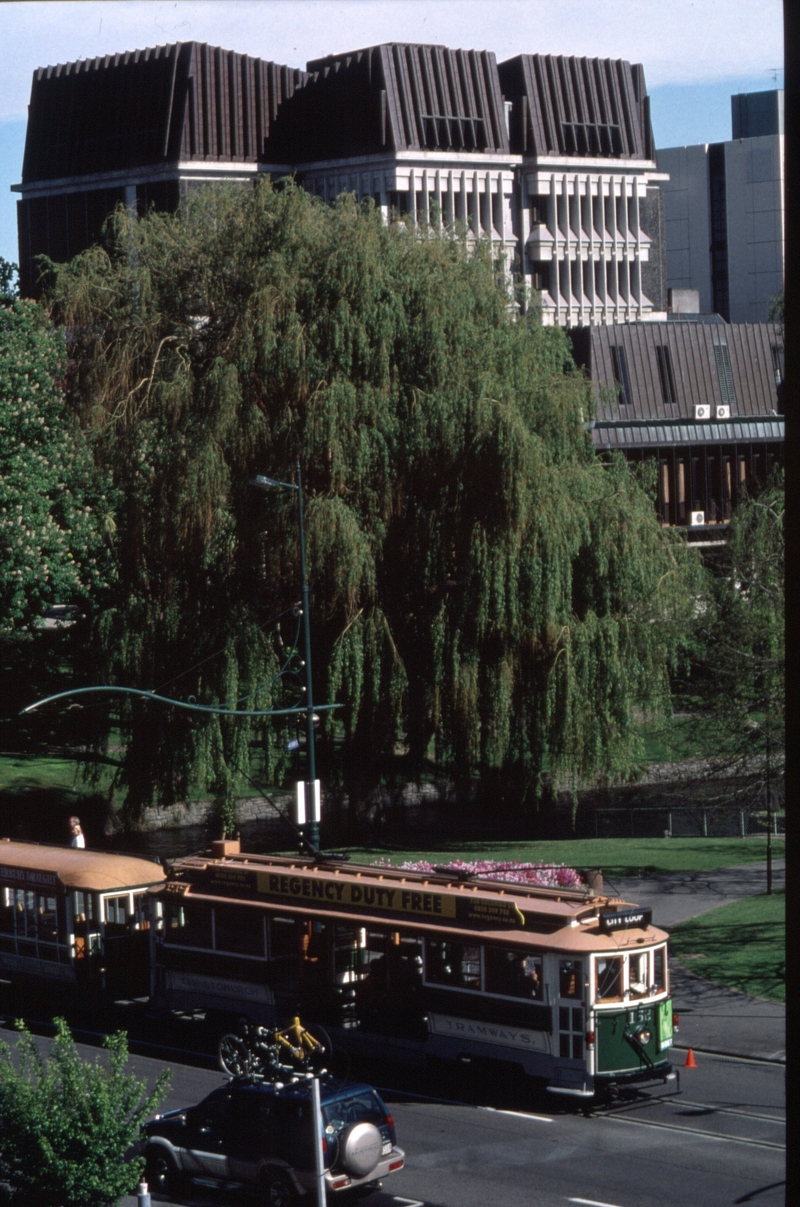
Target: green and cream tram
<point x="568" y="986"/>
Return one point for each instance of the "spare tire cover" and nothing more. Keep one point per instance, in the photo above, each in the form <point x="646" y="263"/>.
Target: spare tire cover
<point x="360" y="1148"/>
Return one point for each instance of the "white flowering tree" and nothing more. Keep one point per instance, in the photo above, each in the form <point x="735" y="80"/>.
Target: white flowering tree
<point x="51" y="544"/>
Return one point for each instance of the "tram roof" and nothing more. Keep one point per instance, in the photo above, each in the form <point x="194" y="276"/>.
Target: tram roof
<point x="562" y="918"/>
<point x="32" y="865"/>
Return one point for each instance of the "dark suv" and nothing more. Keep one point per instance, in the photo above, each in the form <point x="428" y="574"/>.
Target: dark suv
<point x="257" y="1135"/>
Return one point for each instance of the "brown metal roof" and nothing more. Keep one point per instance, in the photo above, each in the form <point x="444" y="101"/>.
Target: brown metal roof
<point x="393" y="97"/>
<point x="564" y="105"/>
<point x="696" y="353"/>
<point x="91" y="870"/>
<point x="166" y="104"/>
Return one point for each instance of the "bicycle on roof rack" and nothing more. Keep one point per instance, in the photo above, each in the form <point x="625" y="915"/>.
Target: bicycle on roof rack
<point x="269" y="1052"/>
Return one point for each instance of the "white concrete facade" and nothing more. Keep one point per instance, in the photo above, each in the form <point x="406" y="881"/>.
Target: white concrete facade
<point x="590" y="238"/>
<point x="754" y="223"/>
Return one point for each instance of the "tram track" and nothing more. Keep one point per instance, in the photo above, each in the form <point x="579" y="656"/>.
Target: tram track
<point x="732" y="1110"/>
<point x="687" y="1130"/>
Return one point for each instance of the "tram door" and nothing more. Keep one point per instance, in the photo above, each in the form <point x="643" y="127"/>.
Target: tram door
<point x="571" y="1020"/>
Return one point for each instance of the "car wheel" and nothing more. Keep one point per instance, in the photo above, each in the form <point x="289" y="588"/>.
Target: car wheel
<point x="234" y="1058"/>
<point x="160" y="1172"/>
<point x="278" y="1190"/>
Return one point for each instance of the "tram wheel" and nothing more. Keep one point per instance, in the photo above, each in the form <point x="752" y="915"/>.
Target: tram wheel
<point x="234" y="1058"/>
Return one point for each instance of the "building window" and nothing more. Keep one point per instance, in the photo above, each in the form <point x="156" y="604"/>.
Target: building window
<point x="621" y="376"/>
<point x="725" y="374"/>
<point x="539" y="206"/>
<point x="541" y="275"/>
<point x="665" y="375"/>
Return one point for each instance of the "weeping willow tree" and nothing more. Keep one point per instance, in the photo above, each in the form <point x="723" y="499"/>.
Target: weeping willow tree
<point x="483" y="588"/>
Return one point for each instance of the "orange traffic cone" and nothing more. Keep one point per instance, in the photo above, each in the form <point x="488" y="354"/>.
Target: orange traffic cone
<point x="691" y="1063"/>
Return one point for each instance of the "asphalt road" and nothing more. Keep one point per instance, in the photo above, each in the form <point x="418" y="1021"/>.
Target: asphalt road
<point x="676" y="896"/>
<point x="720" y="1142"/>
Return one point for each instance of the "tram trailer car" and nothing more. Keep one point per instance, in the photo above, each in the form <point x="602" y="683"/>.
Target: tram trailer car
<point x="567" y="986"/>
<point x="75" y="921"/>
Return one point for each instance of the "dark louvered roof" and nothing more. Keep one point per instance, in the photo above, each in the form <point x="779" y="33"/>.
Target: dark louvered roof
<point x="394" y="97"/>
<point x="694" y="364"/>
<point x="186" y="101"/>
<point x="563" y="105"/>
<point x="625" y="437"/>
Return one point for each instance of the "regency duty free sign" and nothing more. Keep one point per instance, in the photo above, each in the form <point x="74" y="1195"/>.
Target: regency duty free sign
<point x="390" y="898"/>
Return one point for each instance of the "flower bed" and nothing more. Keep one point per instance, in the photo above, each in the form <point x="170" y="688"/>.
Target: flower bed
<point x="544" y="875"/>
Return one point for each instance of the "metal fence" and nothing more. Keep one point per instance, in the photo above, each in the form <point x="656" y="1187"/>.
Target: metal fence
<point x="679" y="822"/>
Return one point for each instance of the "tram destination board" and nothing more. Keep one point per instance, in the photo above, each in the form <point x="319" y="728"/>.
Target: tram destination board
<point x="314" y="891"/>
<point x="624" y="919"/>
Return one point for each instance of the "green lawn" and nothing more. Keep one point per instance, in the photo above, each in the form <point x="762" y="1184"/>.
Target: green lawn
<point x="740" y="945"/>
<point x="616" y="856"/>
<point x="39" y="771"/>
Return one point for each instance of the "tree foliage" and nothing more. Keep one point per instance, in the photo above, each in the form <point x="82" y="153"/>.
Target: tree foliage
<point x="51" y="515"/>
<point x="67" y="1123"/>
<point x="740" y="668"/>
<point x="481" y="584"/>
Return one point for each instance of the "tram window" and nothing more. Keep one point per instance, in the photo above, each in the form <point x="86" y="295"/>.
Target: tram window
<point x="240" y="931"/>
<point x="609" y="977"/>
<point x="570" y="978"/>
<point x="659" y="970"/>
<point x="116" y="915"/>
<point x="282" y="938"/>
<point x="454" y="964"/>
<point x="189" y="924"/>
<point x="141" y="917"/>
<point x="638" y="980"/>
<point x="46" y="919"/>
<point x="7" y="911"/>
<point x="83" y="906"/>
<point x="512" y="973"/>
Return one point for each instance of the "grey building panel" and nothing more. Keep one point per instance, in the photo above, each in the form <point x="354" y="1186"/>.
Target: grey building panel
<point x="754" y="114"/>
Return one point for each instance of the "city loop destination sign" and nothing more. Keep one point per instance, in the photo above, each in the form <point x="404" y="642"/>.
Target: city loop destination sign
<point x="334" y="892"/>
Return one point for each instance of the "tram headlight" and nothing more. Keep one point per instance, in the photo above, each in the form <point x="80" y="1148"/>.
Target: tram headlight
<point x="643" y="1035"/>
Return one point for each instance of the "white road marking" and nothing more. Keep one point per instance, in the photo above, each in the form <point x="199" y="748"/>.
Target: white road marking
<point x="591" y="1203"/>
<point x="516" y="1114"/>
<point x="409" y="1202"/>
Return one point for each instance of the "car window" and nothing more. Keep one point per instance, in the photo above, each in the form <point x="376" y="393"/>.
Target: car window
<point x="362" y="1107"/>
<point x="213" y="1112"/>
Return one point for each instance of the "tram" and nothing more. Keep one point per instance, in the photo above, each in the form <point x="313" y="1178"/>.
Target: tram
<point x="566" y="986"/>
<point x="75" y="920"/>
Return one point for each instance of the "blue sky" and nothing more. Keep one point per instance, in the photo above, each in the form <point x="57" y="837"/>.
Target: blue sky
<point x="696" y="53"/>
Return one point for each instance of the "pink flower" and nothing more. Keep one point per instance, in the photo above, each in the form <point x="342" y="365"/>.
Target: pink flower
<point x="545" y="875"/>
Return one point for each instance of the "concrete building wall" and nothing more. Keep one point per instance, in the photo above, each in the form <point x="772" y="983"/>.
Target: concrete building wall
<point x="755" y="221"/>
<point x="754" y="196"/>
<point x="686" y="220"/>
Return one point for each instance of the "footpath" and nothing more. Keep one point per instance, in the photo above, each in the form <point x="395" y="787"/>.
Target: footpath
<point x="712" y="1018"/>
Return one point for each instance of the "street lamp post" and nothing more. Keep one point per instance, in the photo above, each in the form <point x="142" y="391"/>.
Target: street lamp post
<point x="310" y="789"/>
